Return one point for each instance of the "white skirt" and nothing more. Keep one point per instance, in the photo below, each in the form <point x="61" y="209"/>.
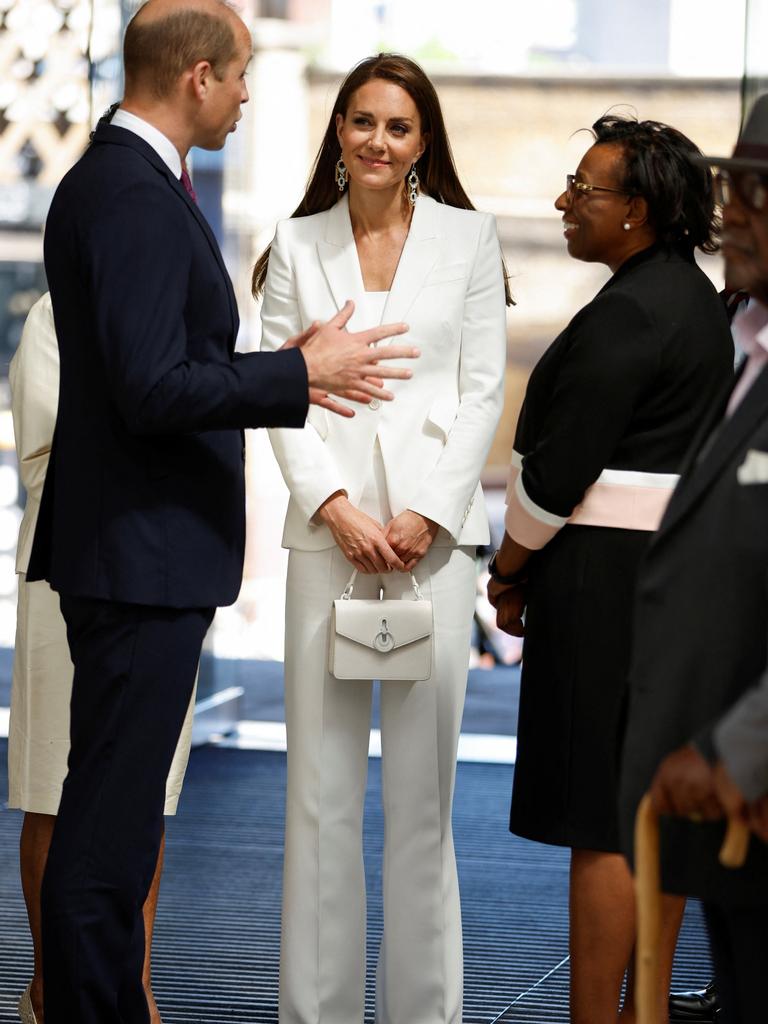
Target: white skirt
<point x="38" y="734"/>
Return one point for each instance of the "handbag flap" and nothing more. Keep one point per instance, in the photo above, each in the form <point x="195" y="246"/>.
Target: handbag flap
<point x="362" y="621"/>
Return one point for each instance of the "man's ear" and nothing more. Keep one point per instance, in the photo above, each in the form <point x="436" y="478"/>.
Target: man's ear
<point x="200" y="77"/>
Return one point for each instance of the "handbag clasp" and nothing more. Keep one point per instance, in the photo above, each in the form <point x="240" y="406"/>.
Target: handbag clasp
<point x="384" y="640"/>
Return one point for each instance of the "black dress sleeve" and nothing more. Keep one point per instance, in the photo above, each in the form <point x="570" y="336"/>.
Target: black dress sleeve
<point x="610" y="360"/>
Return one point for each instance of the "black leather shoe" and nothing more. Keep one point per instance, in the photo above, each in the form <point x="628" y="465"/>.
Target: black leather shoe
<point x="700" y="1005"/>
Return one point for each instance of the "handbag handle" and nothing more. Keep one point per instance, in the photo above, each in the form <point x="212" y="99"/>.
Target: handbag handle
<point x="346" y="596"/>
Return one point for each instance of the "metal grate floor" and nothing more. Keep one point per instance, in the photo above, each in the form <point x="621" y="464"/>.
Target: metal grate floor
<point x="216" y="943"/>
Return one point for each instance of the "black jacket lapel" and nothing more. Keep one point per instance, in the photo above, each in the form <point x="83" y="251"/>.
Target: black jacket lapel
<point x="702" y="474"/>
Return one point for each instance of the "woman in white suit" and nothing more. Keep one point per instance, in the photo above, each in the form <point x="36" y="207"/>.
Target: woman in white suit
<point x="385" y="223"/>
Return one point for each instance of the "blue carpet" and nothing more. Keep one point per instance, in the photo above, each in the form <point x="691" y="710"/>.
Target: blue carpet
<point x="216" y="943"/>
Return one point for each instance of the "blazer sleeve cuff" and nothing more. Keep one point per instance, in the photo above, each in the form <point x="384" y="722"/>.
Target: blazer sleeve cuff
<point x="439" y="516"/>
<point x="272" y="390"/>
<point x="289" y="386"/>
<point x="526" y="522"/>
<point x="312" y="498"/>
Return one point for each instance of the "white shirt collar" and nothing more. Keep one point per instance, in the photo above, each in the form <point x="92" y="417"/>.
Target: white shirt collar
<point x="161" y="144"/>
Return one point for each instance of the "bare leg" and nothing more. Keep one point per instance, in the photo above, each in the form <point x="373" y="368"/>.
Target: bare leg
<point x="672" y="908"/>
<point x="150" y="909"/>
<point x="36" y="832"/>
<point x="602" y="934"/>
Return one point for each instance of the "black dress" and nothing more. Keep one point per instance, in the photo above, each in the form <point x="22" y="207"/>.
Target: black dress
<point x="624" y="387"/>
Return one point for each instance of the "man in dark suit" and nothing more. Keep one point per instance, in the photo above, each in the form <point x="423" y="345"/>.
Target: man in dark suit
<point x="701" y="642"/>
<point x="141" y="529"/>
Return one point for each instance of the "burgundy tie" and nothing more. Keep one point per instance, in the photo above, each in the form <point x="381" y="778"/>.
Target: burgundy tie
<point x="186" y="181"/>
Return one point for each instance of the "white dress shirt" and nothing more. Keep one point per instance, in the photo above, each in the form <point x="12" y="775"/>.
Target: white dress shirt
<point x="161" y="144"/>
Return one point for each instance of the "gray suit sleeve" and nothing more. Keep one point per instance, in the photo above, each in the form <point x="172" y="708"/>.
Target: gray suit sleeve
<point x="741" y="740"/>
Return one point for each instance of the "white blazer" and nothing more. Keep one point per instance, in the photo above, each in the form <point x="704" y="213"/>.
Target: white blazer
<point x="435" y="435"/>
<point x="34" y="380"/>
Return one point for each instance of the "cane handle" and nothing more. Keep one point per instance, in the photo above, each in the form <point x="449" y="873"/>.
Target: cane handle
<point x="733" y="852"/>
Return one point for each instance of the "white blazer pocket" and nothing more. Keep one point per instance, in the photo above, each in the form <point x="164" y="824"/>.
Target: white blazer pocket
<point x="443" y="273"/>
<point x="442" y="414"/>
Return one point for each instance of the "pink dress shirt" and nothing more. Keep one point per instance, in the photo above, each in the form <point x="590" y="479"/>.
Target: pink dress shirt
<point x="750" y="332"/>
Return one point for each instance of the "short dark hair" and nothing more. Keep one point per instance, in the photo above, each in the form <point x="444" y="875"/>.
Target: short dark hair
<point x="157" y="51"/>
<point x="659" y="165"/>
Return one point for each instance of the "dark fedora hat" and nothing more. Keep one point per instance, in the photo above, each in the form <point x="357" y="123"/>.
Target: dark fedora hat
<point x="751" y="151"/>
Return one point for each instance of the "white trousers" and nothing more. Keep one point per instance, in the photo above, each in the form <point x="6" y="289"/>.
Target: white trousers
<point x="322" y="962"/>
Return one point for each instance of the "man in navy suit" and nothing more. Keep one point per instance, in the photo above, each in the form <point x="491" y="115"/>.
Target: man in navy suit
<point x="141" y="528"/>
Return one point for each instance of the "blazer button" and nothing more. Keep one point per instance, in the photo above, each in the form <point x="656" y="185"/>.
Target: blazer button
<point x="374" y="404"/>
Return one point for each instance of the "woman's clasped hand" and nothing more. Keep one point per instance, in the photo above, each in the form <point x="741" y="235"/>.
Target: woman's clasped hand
<point x="372" y="547"/>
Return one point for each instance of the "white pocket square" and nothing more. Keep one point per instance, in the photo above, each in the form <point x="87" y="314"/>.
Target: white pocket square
<point x="754" y="468"/>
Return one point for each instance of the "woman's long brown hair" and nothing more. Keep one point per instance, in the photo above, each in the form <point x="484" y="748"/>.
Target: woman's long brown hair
<point x="435" y="168"/>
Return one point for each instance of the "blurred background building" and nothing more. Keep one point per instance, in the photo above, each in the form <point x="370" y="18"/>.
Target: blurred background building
<point x="517" y="82"/>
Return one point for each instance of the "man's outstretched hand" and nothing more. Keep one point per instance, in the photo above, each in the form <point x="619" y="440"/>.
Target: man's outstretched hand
<point x="343" y="364"/>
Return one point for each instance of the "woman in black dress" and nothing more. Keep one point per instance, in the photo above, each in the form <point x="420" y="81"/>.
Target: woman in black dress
<point x="609" y="412"/>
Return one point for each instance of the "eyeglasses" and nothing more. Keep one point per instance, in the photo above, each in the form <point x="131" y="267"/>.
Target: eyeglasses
<point x="750" y="187"/>
<point x="572" y="186"/>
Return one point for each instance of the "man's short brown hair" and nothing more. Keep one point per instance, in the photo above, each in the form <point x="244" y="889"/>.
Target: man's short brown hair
<point x="157" y="51"/>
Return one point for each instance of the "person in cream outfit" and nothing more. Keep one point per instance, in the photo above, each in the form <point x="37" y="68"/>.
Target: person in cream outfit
<point x="386" y="223"/>
<point x="38" y="737"/>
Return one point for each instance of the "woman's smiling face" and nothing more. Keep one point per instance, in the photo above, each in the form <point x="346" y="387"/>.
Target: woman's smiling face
<point x="593" y="222"/>
<point x="380" y="135"/>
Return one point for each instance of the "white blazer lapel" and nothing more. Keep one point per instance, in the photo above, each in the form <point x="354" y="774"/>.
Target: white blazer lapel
<point x="338" y="257"/>
<point x="419" y="255"/>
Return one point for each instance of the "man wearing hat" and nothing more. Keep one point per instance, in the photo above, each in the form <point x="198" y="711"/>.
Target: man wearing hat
<point x="701" y="626"/>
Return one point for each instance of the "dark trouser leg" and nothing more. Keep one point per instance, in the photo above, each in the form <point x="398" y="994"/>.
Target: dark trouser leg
<point x="738" y="938"/>
<point x="134" y="671"/>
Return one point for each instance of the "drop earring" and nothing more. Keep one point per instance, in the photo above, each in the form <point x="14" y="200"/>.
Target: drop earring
<point x="413" y="186"/>
<point x="342" y="174"/>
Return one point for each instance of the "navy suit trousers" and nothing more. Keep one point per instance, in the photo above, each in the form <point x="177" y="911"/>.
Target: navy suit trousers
<point x="135" y="668"/>
<point x="738" y="938"/>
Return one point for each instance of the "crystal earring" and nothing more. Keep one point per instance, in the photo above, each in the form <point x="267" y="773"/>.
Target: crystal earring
<point x="413" y="185"/>
<point x="626" y="225"/>
<point x="342" y="174"/>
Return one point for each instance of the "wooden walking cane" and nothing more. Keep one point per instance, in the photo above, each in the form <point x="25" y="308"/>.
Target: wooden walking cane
<point x="648" y="889"/>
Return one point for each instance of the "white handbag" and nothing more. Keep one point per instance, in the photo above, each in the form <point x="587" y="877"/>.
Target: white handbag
<point x="380" y="639"/>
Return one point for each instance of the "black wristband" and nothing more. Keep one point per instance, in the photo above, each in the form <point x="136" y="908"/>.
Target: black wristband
<point x="520" y="576"/>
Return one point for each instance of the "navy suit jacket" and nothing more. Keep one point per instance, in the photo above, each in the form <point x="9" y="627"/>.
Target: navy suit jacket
<point x="700" y="636"/>
<point x="144" y="501"/>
